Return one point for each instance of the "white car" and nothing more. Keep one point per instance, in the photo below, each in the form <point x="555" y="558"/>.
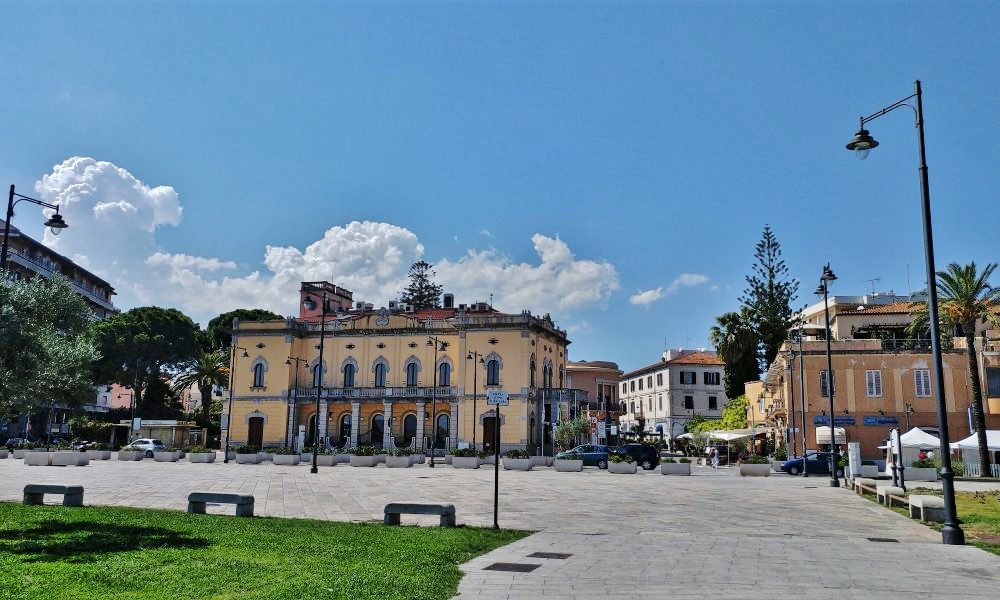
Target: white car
<point x="148" y="445"/>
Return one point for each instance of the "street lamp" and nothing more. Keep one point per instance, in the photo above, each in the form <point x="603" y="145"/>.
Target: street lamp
<point x="790" y="405"/>
<point x="310" y="305"/>
<point x="232" y="379"/>
<point x="438" y="344"/>
<point x="823" y="290"/>
<point x="295" y="394"/>
<point x="951" y="533"/>
<point x="476" y="358"/>
<point x="55" y="223"/>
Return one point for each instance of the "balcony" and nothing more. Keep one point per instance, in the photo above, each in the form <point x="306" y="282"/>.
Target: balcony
<point x="379" y="393"/>
<point x="561" y="395"/>
<point x="776" y="408"/>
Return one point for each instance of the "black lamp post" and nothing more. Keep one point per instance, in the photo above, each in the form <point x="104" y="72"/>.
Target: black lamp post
<point x="310" y="304"/>
<point x="951" y="533"/>
<point x="55" y="223"/>
<point x="295" y="394"/>
<point x="232" y="379"/>
<point x="823" y="290"/>
<point x="438" y="344"/>
<point x="476" y="358"/>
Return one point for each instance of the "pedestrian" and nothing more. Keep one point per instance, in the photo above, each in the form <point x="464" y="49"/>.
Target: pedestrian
<point x="715" y="458"/>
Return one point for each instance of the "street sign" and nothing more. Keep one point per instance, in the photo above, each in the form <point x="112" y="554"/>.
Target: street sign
<point x="497" y="398"/>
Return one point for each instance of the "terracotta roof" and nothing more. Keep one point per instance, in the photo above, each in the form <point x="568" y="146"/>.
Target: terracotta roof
<point x="697" y="358"/>
<point x="896" y="308"/>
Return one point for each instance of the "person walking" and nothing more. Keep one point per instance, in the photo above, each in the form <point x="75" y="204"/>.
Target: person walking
<point x="715" y="458"/>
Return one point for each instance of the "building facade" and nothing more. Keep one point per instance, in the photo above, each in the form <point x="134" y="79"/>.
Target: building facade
<point x="599" y="381"/>
<point x="665" y="395"/>
<point x="397" y="376"/>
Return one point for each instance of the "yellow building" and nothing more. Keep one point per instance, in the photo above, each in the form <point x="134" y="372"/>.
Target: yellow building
<point x="386" y="375"/>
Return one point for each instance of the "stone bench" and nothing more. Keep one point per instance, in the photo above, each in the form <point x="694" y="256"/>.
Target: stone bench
<point x="885" y="494"/>
<point x="198" y="500"/>
<point x="72" y="495"/>
<point x="926" y="507"/>
<point x="394" y="509"/>
<point x="863" y="484"/>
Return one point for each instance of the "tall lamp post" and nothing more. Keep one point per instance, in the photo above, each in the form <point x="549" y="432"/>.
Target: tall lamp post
<point x="476" y="358"/>
<point x="823" y="290"/>
<point x="310" y="305"/>
<point x="438" y="344"/>
<point x="295" y="394"/>
<point x="951" y="533"/>
<point x="55" y="223"/>
<point x="802" y="394"/>
<point x="232" y="379"/>
<point x="790" y="405"/>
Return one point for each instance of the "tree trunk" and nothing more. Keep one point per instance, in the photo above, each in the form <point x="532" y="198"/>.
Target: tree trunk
<point x="978" y="416"/>
<point x="206" y="402"/>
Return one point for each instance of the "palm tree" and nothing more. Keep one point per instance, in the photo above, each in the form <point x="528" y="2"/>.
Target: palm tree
<point x="736" y="344"/>
<point x="206" y="370"/>
<point x="965" y="297"/>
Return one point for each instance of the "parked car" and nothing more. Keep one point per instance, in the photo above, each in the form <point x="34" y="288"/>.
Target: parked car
<point x="646" y="456"/>
<point x="149" y="445"/>
<point x="16" y="443"/>
<point x="813" y="463"/>
<point x="83" y="445"/>
<point x="593" y="455"/>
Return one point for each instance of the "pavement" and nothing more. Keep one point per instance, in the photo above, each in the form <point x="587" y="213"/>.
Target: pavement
<point x="644" y="536"/>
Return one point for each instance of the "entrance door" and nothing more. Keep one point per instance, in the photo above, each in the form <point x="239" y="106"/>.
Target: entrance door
<point x="255" y="432"/>
<point x="489" y="434"/>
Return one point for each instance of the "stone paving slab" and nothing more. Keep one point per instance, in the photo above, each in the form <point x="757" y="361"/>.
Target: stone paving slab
<point x="642" y="536"/>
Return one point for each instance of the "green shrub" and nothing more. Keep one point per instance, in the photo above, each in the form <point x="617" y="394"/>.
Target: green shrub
<point x="756" y="459"/>
<point x="282" y="451"/>
<point x="272" y="450"/>
<point x="516" y="453"/>
<point x="201" y="450"/>
<point x="462" y="452"/>
<point x="401" y="452"/>
<point x="923" y="463"/>
<point x="620" y="458"/>
<point x="668" y="460"/>
<point x="244" y="449"/>
<point x="780" y="453"/>
<point x="364" y="451"/>
<point x="684" y="460"/>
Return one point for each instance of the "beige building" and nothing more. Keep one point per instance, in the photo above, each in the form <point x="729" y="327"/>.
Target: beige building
<point x="392" y="376"/>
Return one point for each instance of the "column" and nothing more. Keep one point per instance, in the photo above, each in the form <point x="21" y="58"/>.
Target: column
<point x="387" y="424"/>
<point x="355" y="422"/>
<point x="321" y="420"/>
<point x="291" y="421"/>
<point x="420" y="426"/>
<point x="453" y="424"/>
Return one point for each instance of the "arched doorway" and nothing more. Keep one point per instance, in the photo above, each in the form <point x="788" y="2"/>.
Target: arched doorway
<point x="255" y="432"/>
<point x="441" y="439"/>
<point x="378" y="430"/>
<point x="311" y="431"/>
<point x="532" y="435"/>
<point x="489" y="434"/>
<point x="409" y="429"/>
<point x="345" y="430"/>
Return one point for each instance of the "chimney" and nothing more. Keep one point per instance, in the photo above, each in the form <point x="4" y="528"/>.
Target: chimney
<point x="449" y="300"/>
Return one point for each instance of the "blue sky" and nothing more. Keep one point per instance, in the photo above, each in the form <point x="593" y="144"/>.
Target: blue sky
<point x="610" y="163"/>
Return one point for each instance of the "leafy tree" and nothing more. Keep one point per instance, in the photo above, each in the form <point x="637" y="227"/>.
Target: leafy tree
<point x="694" y="422"/>
<point x="138" y="346"/>
<point x="734" y="414"/>
<point x="204" y="371"/>
<point x="768" y="297"/>
<point x="219" y="332"/>
<point x="736" y="343"/>
<point x="965" y="297"/>
<point x="568" y="432"/>
<point x="422" y="292"/>
<point x="45" y="353"/>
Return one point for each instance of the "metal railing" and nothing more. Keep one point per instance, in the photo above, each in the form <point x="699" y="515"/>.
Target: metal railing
<point x="361" y="393"/>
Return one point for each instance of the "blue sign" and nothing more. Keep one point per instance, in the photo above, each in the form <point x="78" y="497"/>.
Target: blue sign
<point x="838" y="421"/>
<point x="881" y="420"/>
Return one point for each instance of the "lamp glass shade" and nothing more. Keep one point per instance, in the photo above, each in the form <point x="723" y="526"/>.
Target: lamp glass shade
<point x="862" y="143"/>
<point x="309" y="303"/>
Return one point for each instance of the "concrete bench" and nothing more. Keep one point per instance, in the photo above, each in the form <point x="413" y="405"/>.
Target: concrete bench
<point x="394" y="509"/>
<point x="885" y="494"/>
<point x="926" y="507"/>
<point x="72" y="495"/>
<point x="863" y="484"/>
<point x="198" y="500"/>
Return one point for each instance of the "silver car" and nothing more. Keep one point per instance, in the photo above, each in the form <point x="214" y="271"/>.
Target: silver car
<point x="149" y="445"/>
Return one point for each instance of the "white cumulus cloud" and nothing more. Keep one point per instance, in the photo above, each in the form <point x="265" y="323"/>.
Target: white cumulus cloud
<point x="647" y="297"/>
<point x="686" y="280"/>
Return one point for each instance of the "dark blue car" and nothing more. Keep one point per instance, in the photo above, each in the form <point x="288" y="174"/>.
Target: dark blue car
<point x="813" y="463"/>
<point x="593" y="455"/>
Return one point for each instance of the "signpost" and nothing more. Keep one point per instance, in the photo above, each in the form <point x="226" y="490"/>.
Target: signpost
<point x="496" y="398"/>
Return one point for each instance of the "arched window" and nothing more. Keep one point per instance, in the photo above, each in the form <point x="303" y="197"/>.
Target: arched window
<point x="444" y="374"/>
<point x="531" y="372"/>
<point x="381" y="370"/>
<point x="631" y="407"/>
<point x="378" y="430"/>
<point x="442" y="431"/>
<point x="345" y="428"/>
<point x="411" y="374"/>
<point x="258" y="375"/>
<point x="349" y="375"/>
<point x="409" y="429"/>
<point x="318" y="375"/>
<point x="560" y="377"/>
<point x="493" y="372"/>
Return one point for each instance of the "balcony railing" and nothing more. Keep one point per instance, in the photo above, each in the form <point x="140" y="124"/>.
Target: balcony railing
<point x="363" y="393"/>
<point x="562" y="395"/>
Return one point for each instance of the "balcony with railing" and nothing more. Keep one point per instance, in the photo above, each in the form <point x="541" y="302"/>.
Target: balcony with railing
<point x="379" y="393"/>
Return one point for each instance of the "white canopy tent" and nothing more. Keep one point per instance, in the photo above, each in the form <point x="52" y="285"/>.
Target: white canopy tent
<point x="918" y="438"/>
<point x="729" y="436"/>
<point x="972" y="442"/>
<point x="823" y="435"/>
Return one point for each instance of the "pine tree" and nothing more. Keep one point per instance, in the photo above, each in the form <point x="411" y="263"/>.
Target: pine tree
<point x="422" y="292"/>
<point x="768" y="297"/>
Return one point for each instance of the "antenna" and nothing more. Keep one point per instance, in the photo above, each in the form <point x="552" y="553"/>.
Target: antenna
<point x="871" y="282"/>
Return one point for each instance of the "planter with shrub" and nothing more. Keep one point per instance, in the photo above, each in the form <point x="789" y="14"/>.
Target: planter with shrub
<point x="621" y="464"/>
<point x="755" y="466"/>
<point x="201" y="454"/>
<point x="464" y="458"/>
<point x="131" y="453"/>
<point x="399" y="458"/>
<point x="169" y="455"/>
<point x="284" y="456"/>
<point x="922" y="469"/>
<point x="671" y="466"/>
<point x="517" y="460"/>
<point x="364" y="456"/>
<point x="247" y="455"/>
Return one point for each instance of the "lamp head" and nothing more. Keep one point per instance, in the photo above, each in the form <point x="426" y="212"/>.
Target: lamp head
<point x="821" y="289"/>
<point x="245" y="355"/>
<point x="828" y="274"/>
<point x="56" y="223"/>
<point x="862" y="143"/>
<point x="288" y="361"/>
<point x="309" y="303"/>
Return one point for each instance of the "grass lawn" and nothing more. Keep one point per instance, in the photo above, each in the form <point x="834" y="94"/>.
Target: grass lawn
<point x="110" y="553"/>
<point x="979" y="513"/>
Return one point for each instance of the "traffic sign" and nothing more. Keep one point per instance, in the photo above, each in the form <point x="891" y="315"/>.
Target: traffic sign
<point x="497" y="398"/>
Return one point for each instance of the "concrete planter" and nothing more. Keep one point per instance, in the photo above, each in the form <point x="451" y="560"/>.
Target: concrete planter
<point x="448" y="458"/>
<point x="201" y="457"/>
<point x="167" y="456"/>
<point x="363" y="461"/>
<point x="3" y="453"/>
<point x="98" y="454"/>
<point x="286" y="459"/>
<point x="465" y="462"/>
<point x="567" y="465"/>
<point x="398" y="462"/>
<point x="542" y="461"/>
<point x="306" y="456"/>
<point x="326" y="460"/>
<point x="69" y="459"/>
<point x="19" y="453"/>
<point x="248" y="459"/>
<point x="37" y="459"/>
<point x="517" y="464"/>
<point x="343" y="458"/>
<point x="488" y="460"/>
<point x="131" y="455"/>
<point x="920" y="474"/>
<point x="869" y="471"/>
<point x="418" y="458"/>
<point x="675" y="468"/>
<point x="755" y="470"/>
<point x="264" y="456"/>
<point x="621" y="467"/>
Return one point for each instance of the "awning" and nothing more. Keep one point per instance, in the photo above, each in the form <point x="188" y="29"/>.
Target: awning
<point x="972" y="442"/>
<point x="918" y="438"/>
<point x="728" y="435"/>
